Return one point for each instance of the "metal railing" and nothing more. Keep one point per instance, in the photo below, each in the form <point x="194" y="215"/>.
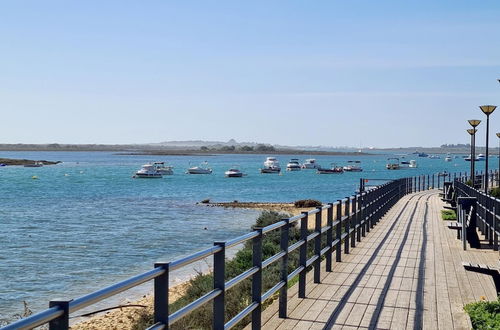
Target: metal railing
<point x="347" y="221"/>
<point x="487" y="210"/>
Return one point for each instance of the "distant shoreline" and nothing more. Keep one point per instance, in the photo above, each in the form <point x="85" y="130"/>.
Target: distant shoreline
<point x="238" y="152"/>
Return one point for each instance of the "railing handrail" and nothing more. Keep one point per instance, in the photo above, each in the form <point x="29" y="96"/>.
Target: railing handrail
<point x="356" y="214"/>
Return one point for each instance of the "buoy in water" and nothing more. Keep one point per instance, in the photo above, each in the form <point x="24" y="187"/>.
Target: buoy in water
<point x="34" y="177"/>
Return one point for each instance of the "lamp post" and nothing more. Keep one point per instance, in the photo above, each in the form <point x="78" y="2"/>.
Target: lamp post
<point x="474" y="123"/>
<point x="472" y="132"/>
<point x="488" y="110"/>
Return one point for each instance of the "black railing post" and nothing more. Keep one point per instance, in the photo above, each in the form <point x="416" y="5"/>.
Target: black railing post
<point x="363" y="214"/>
<point x="357" y="207"/>
<point x="303" y="255"/>
<point x="329" y="237"/>
<point x="495" y="221"/>
<point x="433" y="186"/>
<point x="283" y="299"/>
<point x="347" y="224"/>
<point x="418" y="189"/>
<point x="257" y="280"/>
<point x="353" y="221"/>
<point x="62" y="322"/>
<point x="338" y="232"/>
<point x="368" y="201"/>
<point x="428" y="182"/>
<point x="219" y="283"/>
<point x="161" y="295"/>
<point x="317" y="246"/>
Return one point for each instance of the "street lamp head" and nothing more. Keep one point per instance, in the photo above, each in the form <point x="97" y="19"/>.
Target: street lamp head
<point x="474" y="122"/>
<point x="488" y="109"/>
<point x="472" y="131"/>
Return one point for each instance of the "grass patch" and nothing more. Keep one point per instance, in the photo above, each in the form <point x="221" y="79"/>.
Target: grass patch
<point x="448" y="215"/>
<point x="495" y="192"/>
<point x="484" y="314"/>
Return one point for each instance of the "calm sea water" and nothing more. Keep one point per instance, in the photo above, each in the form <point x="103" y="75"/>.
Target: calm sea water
<point x="85" y="220"/>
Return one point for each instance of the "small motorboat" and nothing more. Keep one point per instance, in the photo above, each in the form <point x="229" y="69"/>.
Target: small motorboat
<point x="353" y="168"/>
<point x="310" y="164"/>
<point x="413" y="164"/>
<point x="233" y="172"/>
<point x="202" y="169"/>
<point x="271" y="165"/>
<point x="163" y="169"/>
<point x="480" y="157"/>
<point x="35" y="164"/>
<point x="422" y="154"/>
<point x="448" y="159"/>
<point x="293" y="165"/>
<point x="392" y="164"/>
<point x="434" y="157"/>
<point x="148" y="171"/>
<point x="333" y="170"/>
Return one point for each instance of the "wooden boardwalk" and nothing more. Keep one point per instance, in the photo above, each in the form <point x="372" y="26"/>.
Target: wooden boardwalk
<point x="406" y="273"/>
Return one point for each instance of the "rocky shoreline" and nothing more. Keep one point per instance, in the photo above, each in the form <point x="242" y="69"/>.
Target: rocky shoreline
<point x="22" y="162"/>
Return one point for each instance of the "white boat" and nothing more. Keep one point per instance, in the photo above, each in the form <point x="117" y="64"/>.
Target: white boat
<point x="310" y="164"/>
<point x="35" y="164"/>
<point x="202" y="169"/>
<point x="392" y="164"/>
<point x="233" y="172"/>
<point x="448" y="159"/>
<point x="293" y="165"/>
<point x="163" y="169"/>
<point x="434" y="157"/>
<point x="413" y="164"/>
<point x="353" y="168"/>
<point x="480" y="157"/>
<point x="148" y="171"/>
<point x="271" y="165"/>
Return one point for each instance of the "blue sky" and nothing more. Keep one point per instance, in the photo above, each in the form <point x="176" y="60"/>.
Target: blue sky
<point x="370" y="73"/>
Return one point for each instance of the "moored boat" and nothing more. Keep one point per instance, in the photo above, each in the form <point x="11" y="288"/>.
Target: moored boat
<point x="293" y="165"/>
<point x="392" y="164"/>
<point x="333" y="170"/>
<point x="271" y="165"/>
<point x="310" y="164"/>
<point x="202" y="169"/>
<point x="148" y="171"/>
<point x="353" y="168"/>
<point x="413" y="164"/>
<point x="163" y="169"/>
<point x="233" y="172"/>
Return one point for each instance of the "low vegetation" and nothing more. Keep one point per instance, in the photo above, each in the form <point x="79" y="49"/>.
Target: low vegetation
<point x="495" y="192"/>
<point x="484" y="314"/>
<point x="448" y="215"/>
<point x="239" y="296"/>
<point x="307" y="203"/>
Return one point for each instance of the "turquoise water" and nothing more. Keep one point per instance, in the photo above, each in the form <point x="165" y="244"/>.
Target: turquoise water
<point x="68" y="232"/>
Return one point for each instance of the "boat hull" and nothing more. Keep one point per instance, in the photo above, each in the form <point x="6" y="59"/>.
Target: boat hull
<point x="270" y="170"/>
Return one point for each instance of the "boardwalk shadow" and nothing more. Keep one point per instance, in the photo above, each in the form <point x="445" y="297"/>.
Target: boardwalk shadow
<point x="336" y="312"/>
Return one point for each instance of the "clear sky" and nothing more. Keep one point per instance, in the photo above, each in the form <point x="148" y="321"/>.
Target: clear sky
<point x="370" y="73"/>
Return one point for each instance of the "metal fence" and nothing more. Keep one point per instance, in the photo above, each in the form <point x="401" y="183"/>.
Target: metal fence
<point x="348" y="220"/>
<point x="487" y="210"/>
